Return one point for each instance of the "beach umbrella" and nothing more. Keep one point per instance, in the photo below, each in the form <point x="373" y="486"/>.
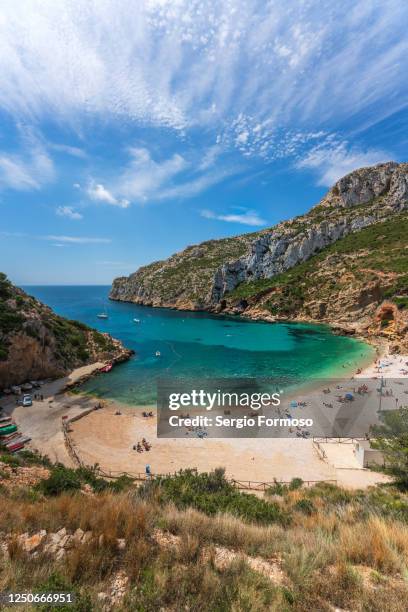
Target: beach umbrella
<point x="293" y="404"/>
<point x="349" y="396"/>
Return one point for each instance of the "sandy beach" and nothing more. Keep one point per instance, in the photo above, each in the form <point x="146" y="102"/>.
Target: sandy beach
<point x="107" y="436"/>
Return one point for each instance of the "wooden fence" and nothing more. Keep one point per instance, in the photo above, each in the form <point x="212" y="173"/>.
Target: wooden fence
<point x="251" y="485"/>
<point x="247" y="485"/>
<point x="338" y="440"/>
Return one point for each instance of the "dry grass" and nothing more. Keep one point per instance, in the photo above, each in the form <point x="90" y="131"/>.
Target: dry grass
<point x="115" y="516"/>
<point x="336" y="556"/>
<point x="378" y="543"/>
<point x="225" y="530"/>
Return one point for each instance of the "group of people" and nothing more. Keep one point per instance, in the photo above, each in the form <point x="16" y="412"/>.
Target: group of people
<point x="144" y="445"/>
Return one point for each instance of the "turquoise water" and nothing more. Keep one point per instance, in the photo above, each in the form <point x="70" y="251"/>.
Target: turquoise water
<point x="200" y="345"/>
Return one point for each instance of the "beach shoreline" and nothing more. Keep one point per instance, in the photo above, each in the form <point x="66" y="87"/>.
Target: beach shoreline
<point x="107" y="437"/>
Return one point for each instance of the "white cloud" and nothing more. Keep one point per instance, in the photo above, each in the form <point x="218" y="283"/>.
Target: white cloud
<point x="334" y="159"/>
<point x="27" y="171"/>
<point x="76" y="239"/>
<point x="209" y="157"/>
<point x="249" y="217"/>
<point x="15" y="174"/>
<point x="13" y="234"/>
<point x="69" y="150"/>
<point x="195" y="185"/>
<point x="146" y="179"/>
<point x="184" y="64"/>
<point x="98" y="192"/>
<point x="68" y="211"/>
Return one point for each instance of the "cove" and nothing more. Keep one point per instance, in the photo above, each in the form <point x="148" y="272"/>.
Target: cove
<point x="199" y="345"/>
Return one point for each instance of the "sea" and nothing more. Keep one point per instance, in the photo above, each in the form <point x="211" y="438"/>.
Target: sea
<point x="199" y="345"/>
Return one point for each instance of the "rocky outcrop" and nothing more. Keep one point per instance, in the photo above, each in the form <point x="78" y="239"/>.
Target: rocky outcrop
<point x="35" y="343"/>
<point x="389" y="181"/>
<point x="200" y="276"/>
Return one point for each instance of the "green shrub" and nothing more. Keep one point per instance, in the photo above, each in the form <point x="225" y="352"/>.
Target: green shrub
<point x="278" y="488"/>
<point x="56" y="583"/>
<point x="331" y="493"/>
<point x="212" y="493"/>
<point x="60" y="480"/>
<point x="30" y="458"/>
<point x="306" y="506"/>
<point x="3" y="351"/>
<point x="9" y="459"/>
<point x="89" y="476"/>
<point x="121" y="484"/>
<point x="295" y="483"/>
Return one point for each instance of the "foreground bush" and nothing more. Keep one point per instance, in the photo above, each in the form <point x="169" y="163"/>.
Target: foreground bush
<point x="212" y="493"/>
<point x="193" y="543"/>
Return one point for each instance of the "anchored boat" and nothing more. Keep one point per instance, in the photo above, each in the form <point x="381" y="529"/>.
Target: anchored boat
<point x="103" y="315"/>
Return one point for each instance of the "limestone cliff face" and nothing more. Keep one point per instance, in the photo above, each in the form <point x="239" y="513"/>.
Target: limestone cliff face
<point x="201" y="276"/>
<point x="185" y="280"/>
<point x="389" y="181"/>
<point x="284" y="248"/>
<point x="35" y="343"/>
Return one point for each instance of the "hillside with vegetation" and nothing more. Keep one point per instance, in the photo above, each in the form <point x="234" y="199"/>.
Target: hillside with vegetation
<point x="360" y="283"/>
<point x="36" y="343"/>
<point x="343" y="262"/>
<point x="194" y="542"/>
<point x="185" y="279"/>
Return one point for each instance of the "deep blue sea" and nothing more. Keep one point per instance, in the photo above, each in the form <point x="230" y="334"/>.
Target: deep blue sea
<point x="195" y="345"/>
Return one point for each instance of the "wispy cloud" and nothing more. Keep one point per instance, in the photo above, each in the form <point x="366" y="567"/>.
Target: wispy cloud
<point x="76" y="239"/>
<point x="59" y="240"/>
<point x="13" y="234"/>
<point x="69" y="150"/>
<point x="27" y="171"/>
<point x="248" y="217"/>
<point x="146" y="178"/>
<point x="68" y="211"/>
<point x="332" y="160"/>
<point x="100" y="193"/>
<point x="250" y="71"/>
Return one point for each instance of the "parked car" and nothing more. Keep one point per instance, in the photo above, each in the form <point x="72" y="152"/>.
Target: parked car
<point x="26" y="400"/>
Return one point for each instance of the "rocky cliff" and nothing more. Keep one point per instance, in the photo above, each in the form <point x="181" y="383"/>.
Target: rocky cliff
<point x="36" y="343"/>
<point x="222" y="274"/>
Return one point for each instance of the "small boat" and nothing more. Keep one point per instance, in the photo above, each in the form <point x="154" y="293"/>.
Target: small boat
<point x="103" y="315"/>
<point x="107" y="368"/>
<point x="158" y="353"/>
<point x="9" y="429"/>
<point x="16" y="447"/>
<point x="136" y="320"/>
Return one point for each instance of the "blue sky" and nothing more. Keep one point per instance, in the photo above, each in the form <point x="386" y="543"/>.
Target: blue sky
<point x="129" y="130"/>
